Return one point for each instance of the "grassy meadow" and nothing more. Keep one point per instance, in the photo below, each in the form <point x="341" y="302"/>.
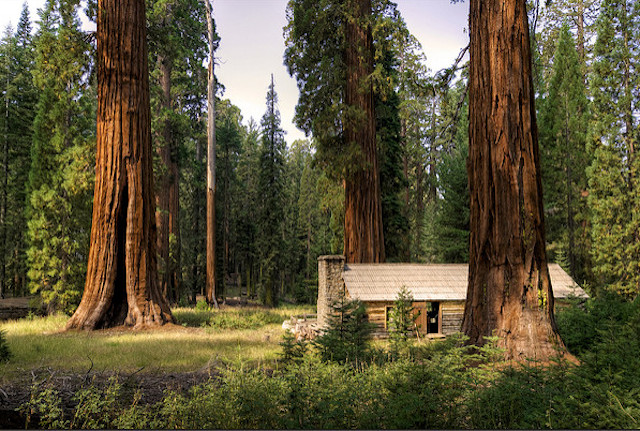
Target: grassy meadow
<point x="202" y="338"/>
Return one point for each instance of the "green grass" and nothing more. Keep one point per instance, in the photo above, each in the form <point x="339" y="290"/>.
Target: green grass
<point x="249" y="336"/>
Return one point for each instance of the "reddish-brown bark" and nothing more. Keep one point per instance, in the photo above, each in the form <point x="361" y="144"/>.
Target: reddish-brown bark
<point x="122" y="281"/>
<point x="363" y="237"/>
<point x="509" y="292"/>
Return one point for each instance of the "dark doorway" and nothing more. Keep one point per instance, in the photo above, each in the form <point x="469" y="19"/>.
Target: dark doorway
<point x="433" y="312"/>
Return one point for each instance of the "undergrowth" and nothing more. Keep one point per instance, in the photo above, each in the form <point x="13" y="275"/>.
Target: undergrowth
<point x="439" y="384"/>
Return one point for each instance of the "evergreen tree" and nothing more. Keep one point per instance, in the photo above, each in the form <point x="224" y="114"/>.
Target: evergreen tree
<point x="177" y="47"/>
<point x="247" y="251"/>
<point x="271" y="193"/>
<point x="614" y="188"/>
<point x="62" y="159"/>
<point x="450" y="237"/>
<point x="16" y="118"/>
<point x="392" y="180"/>
<point x="563" y="129"/>
<point x="229" y="137"/>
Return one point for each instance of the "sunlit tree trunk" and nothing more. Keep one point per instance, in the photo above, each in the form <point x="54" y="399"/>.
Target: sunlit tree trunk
<point x="211" y="165"/>
<point x="363" y="237"/>
<point x="122" y="281"/>
<point x="509" y="291"/>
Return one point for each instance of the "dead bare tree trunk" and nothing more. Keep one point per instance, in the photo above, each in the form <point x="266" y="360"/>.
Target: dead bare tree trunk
<point x="509" y="291"/>
<point x="363" y="235"/>
<point x="211" y="165"/>
<point x="122" y="281"/>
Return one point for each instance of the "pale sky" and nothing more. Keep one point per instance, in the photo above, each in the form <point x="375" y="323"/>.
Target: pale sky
<point x="252" y="46"/>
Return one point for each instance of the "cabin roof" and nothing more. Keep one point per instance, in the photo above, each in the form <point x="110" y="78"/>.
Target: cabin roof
<point x="430" y="282"/>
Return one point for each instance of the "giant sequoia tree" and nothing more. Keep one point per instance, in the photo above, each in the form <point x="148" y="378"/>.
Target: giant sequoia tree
<point x="122" y="281"/>
<point x="330" y="51"/>
<point x="509" y="288"/>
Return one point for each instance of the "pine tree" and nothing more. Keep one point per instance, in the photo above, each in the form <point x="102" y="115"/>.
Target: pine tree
<point x="392" y="179"/>
<point x="16" y="118"/>
<point x="229" y="138"/>
<point x="614" y="175"/>
<point x="177" y="47"/>
<point x="61" y="175"/>
<point x="450" y="239"/>
<point x="271" y="192"/>
<point x="563" y="129"/>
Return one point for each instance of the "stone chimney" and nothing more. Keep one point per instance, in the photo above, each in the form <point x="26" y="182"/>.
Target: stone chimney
<point x="330" y="284"/>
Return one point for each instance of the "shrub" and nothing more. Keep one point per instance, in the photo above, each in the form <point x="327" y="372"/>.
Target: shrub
<point x="402" y="322"/>
<point x="292" y="350"/>
<point x="347" y="336"/>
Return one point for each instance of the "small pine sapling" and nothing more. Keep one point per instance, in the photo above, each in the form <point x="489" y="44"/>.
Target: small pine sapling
<point x="292" y="350"/>
<point x="346" y="339"/>
<point x="402" y="321"/>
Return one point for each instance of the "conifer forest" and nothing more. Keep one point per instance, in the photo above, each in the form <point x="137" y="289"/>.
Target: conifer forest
<point x="158" y="236"/>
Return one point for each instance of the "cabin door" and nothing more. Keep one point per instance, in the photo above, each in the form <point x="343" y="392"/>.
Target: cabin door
<point x="420" y="313"/>
<point x="433" y="317"/>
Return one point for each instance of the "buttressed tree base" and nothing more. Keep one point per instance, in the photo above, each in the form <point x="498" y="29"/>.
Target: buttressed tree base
<point x="122" y="281"/>
<point x="509" y="292"/>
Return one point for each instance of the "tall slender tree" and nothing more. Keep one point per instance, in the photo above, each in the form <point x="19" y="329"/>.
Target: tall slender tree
<point x="563" y="134"/>
<point x="614" y="175"/>
<point x="122" y="280"/>
<point x="509" y="287"/>
<point x="177" y="41"/>
<point x="271" y="192"/>
<point x="211" y="161"/>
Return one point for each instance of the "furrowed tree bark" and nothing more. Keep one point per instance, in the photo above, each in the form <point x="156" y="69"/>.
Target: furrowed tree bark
<point x="363" y="236"/>
<point x="210" y="289"/>
<point x="122" y="280"/>
<point x="509" y="291"/>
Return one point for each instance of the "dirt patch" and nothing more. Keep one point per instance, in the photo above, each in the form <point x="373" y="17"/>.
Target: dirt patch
<point x="151" y="385"/>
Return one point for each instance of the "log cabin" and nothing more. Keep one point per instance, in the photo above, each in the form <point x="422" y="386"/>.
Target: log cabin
<point x="439" y="291"/>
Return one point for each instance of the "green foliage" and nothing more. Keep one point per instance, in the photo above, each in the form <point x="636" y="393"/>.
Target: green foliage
<point x="5" y="353"/>
<point x="614" y="134"/>
<point x="346" y="339"/>
<point x="293" y="350"/>
<point x="402" y="321"/>
<point x="16" y="118"/>
<point x="45" y="406"/>
<point x="392" y="180"/>
<point x="271" y="189"/>
<point x="228" y="319"/>
<point x="564" y="117"/>
<point x="62" y="160"/>
<point x="452" y="216"/>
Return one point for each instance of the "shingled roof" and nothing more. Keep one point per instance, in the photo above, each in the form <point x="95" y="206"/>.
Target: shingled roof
<point x="430" y="282"/>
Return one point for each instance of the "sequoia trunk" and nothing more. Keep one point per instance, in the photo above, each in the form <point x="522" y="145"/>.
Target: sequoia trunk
<point x="509" y="291"/>
<point x="122" y="280"/>
<point x="363" y="237"/>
